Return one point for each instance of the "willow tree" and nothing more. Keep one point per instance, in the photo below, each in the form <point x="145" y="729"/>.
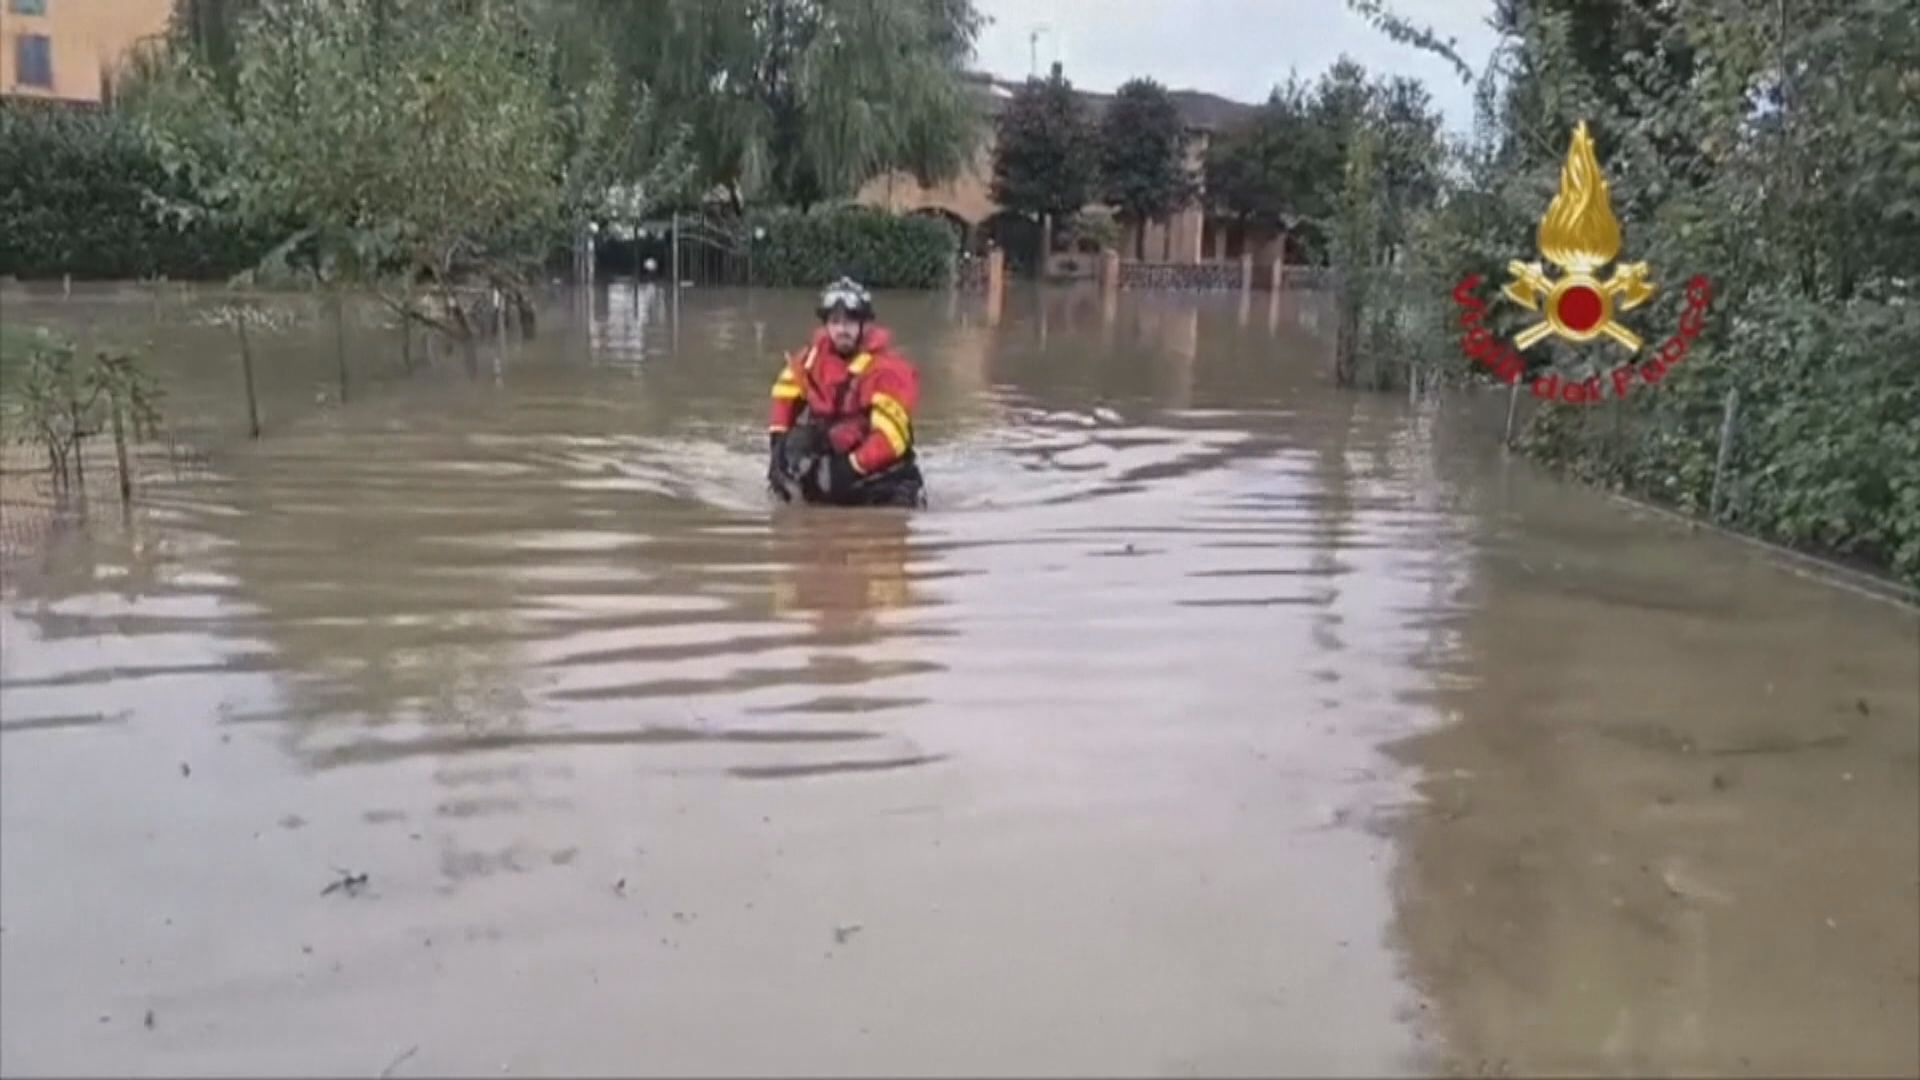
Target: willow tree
<point x="802" y="101"/>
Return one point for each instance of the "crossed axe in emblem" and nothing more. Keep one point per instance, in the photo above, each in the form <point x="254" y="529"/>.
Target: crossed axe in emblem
<point x="1530" y="285"/>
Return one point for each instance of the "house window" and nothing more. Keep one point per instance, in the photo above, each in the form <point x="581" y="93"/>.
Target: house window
<point x="27" y="7"/>
<point x="33" y="60"/>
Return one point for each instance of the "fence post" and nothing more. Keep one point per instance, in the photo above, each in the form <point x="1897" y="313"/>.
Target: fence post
<point x="246" y="371"/>
<point x="500" y="328"/>
<point x="1246" y="286"/>
<point x="1513" y="403"/>
<point x="1726" y="449"/>
<point x="996" y="281"/>
<point x="116" y="406"/>
<point x="340" y="340"/>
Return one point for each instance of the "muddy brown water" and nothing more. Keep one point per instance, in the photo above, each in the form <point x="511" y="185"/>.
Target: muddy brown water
<point x="1210" y="721"/>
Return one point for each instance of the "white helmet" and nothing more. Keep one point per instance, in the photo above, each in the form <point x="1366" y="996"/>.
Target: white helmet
<point x="849" y="296"/>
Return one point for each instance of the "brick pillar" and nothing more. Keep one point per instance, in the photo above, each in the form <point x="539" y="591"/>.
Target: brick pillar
<point x="996" y="282"/>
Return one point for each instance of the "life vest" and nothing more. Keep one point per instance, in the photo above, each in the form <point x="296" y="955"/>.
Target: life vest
<point x="864" y="403"/>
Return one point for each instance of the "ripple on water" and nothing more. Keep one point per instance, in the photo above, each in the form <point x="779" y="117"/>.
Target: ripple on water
<point x="541" y="656"/>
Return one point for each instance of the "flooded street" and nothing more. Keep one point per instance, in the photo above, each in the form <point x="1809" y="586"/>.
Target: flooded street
<point x="1210" y="721"/>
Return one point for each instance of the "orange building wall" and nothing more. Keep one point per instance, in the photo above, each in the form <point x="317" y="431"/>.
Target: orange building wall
<point x="1176" y="238"/>
<point x="968" y="196"/>
<point x="89" y="38"/>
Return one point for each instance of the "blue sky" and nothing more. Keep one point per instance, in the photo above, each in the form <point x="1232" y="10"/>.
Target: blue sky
<point x="1235" y="48"/>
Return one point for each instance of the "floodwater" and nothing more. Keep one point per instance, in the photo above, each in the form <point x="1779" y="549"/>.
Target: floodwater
<point x="1210" y="721"/>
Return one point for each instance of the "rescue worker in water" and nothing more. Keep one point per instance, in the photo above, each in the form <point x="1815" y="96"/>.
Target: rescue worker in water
<point x="840" y="430"/>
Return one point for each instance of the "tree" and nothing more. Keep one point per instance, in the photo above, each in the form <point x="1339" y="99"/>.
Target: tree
<point x="1357" y="243"/>
<point x="1770" y="147"/>
<point x="1283" y="167"/>
<point x="208" y="29"/>
<point x="1272" y="170"/>
<point x="1143" y="151"/>
<point x="805" y="100"/>
<point x="398" y="146"/>
<point x="1343" y="101"/>
<point x="1045" y="157"/>
<point x="1410" y="155"/>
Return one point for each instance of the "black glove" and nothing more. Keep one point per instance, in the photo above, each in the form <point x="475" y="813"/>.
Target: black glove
<point x="836" y="474"/>
<point x="777" y="478"/>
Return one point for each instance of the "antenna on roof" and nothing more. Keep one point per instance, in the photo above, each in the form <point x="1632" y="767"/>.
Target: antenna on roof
<point x="1033" y="47"/>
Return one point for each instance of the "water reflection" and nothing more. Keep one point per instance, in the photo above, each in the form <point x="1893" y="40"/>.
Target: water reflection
<point x="1643" y="819"/>
<point x="844" y="571"/>
<point x="1284" y="694"/>
<point x="626" y="318"/>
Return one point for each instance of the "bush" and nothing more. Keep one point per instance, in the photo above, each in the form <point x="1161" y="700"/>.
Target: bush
<point x="876" y="248"/>
<point x="76" y="197"/>
<point x="1826" y="449"/>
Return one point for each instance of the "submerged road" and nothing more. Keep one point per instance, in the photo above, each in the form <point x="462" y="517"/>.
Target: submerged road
<point x="1210" y="721"/>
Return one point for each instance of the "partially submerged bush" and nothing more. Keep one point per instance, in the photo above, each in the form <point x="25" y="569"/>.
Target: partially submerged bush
<point x="59" y="399"/>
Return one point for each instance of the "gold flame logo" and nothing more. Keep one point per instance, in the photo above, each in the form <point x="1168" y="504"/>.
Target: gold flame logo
<point x="1579" y="234"/>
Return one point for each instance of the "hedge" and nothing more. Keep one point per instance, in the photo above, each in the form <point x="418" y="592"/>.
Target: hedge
<point x="1826" y="447"/>
<point x="76" y="187"/>
<point x="876" y="248"/>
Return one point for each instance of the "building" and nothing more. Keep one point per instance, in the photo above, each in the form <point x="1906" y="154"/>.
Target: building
<point x="1189" y="235"/>
<point x="72" y="50"/>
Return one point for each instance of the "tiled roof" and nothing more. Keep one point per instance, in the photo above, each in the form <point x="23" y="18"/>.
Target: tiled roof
<point x="1209" y="112"/>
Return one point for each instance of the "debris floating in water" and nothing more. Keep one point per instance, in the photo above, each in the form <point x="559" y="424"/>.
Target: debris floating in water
<point x="398" y="1061"/>
<point x="348" y="882"/>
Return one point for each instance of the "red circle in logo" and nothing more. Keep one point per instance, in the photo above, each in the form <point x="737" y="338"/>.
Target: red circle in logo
<point x="1579" y="308"/>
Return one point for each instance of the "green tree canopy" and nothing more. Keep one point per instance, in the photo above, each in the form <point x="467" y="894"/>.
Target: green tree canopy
<point x="1045" y="157"/>
<point x="1143" y="152"/>
<point x="1285" y="166"/>
<point x="400" y="142"/>
<point x="1274" y="168"/>
<point x="1774" y="147"/>
<point x="804" y="100"/>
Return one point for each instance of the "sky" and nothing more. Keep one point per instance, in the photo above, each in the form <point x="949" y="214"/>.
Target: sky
<point x="1235" y="48"/>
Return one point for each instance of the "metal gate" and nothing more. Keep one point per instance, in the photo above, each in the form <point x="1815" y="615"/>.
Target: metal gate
<point x="709" y="250"/>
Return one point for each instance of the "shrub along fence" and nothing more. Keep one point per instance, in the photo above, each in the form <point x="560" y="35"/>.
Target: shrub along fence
<point x="81" y="196"/>
<point x="1818" y="448"/>
<point x="879" y="249"/>
<point x="77" y="191"/>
